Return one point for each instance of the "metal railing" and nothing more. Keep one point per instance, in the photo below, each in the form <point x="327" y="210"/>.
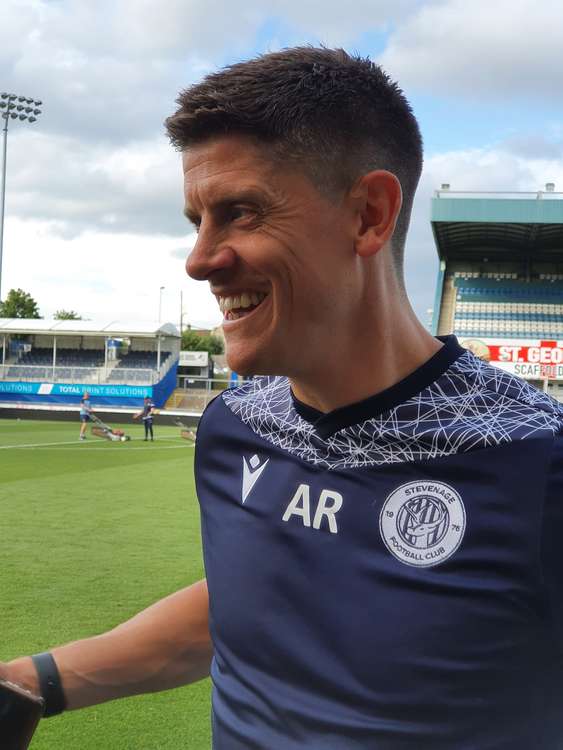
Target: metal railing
<point x="82" y="375"/>
<point x="168" y="363"/>
<point x="131" y="375"/>
<point x="510" y="194"/>
<point x="196" y="394"/>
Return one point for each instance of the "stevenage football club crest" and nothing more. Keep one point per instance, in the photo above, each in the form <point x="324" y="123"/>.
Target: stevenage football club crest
<point x="422" y="523"/>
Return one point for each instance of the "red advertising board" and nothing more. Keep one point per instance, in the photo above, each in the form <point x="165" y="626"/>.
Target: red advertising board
<point x="527" y="358"/>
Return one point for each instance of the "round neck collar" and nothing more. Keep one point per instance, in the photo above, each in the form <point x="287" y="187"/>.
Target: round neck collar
<point x="326" y="424"/>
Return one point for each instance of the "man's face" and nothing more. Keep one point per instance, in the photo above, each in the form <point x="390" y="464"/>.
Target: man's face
<point x="279" y="256"/>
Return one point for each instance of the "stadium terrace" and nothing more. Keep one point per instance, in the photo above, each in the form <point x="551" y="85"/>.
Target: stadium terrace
<point x="500" y="280"/>
<point x="52" y="362"/>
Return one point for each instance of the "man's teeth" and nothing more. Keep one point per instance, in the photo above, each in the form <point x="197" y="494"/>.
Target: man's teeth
<point x="240" y="301"/>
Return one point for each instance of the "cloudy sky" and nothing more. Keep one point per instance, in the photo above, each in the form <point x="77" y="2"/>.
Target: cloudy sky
<point x="93" y="202"/>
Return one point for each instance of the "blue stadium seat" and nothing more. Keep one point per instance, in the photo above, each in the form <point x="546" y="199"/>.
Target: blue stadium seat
<point x="504" y="307"/>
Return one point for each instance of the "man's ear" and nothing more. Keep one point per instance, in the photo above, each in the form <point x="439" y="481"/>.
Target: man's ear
<point x="380" y="200"/>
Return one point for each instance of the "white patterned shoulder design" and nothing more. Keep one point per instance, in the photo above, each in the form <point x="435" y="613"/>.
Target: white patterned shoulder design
<point x="471" y="406"/>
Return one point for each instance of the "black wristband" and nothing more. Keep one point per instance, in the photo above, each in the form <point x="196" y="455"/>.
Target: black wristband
<point x="50" y="685"/>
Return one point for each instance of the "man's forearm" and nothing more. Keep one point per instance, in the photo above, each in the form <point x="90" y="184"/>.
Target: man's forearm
<point x="164" y="646"/>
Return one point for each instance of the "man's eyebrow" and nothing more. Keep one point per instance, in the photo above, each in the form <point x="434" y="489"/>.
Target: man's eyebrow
<point x="222" y="203"/>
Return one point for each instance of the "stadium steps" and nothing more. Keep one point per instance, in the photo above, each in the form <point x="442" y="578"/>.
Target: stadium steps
<point x="447" y="308"/>
<point x="112" y="364"/>
<point x="192" y="400"/>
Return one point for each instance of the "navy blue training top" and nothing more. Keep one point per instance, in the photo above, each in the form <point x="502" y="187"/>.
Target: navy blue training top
<point x="387" y="576"/>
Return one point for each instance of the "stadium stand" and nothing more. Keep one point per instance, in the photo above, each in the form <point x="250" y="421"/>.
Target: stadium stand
<point x="141" y="359"/>
<point x="500" y="281"/>
<point x="65" y="358"/>
<point x="513" y="309"/>
<point x="55" y="361"/>
<point x="134" y="363"/>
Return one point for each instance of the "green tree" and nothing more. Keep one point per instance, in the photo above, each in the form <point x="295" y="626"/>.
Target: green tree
<point x="193" y="342"/>
<point x="67" y="315"/>
<point x="19" y="304"/>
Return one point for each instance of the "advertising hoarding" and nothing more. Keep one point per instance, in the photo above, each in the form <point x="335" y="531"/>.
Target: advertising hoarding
<point x="532" y="359"/>
<point x="193" y="359"/>
<point x="76" y="390"/>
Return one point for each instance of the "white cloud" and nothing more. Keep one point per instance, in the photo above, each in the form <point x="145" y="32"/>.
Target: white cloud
<point x="135" y="187"/>
<point x="105" y="70"/>
<point x="334" y="24"/>
<point x="493" y="168"/>
<point x="108" y="73"/>
<point x="102" y="272"/>
<point x="104" y="275"/>
<point x="112" y="69"/>
<point x="94" y="190"/>
<point x="505" y="48"/>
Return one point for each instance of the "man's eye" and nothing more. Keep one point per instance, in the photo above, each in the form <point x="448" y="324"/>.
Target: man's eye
<point x="240" y="212"/>
<point x="195" y="222"/>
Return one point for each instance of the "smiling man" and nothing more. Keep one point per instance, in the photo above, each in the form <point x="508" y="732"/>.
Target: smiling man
<point x="380" y="510"/>
<point x="296" y="270"/>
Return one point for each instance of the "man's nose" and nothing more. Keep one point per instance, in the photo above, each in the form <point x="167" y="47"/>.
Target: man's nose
<point x="208" y="256"/>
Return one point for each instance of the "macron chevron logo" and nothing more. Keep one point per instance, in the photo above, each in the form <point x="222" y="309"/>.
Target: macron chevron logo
<point x="251" y="471"/>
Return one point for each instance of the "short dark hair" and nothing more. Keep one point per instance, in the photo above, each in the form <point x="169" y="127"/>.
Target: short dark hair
<point x="336" y="115"/>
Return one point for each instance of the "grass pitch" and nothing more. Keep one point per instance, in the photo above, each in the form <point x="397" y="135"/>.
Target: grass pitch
<point x="91" y="533"/>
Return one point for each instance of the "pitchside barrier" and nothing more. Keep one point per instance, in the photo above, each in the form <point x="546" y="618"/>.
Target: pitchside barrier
<point x="29" y="400"/>
<point x="86" y="375"/>
<point x="59" y="413"/>
<point x="197" y="392"/>
<point x="37" y="386"/>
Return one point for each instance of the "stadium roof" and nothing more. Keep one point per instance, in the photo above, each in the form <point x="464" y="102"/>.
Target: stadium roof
<point x="497" y="225"/>
<point x="111" y="328"/>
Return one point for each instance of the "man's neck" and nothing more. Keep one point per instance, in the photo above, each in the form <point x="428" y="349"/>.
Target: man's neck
<point x="360" y="366"/>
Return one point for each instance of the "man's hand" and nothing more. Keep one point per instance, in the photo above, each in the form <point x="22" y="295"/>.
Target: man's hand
<point x="21" y="672"/>
<point x="20" y="713"/>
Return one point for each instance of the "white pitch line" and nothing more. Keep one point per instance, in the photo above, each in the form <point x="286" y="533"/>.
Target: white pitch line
<point x="37" y="445"/>
<point x="107" y="448"/>
<point x="76" y="443"/>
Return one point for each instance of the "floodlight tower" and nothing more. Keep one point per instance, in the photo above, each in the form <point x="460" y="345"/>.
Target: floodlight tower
<point x="162" y="288"/>
<point x="12" y="107"/>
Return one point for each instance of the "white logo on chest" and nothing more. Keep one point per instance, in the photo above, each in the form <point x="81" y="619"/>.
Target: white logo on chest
<point x="251" y="471"/>
<point x="328" y="506"/>
<point x="422" y="523"/>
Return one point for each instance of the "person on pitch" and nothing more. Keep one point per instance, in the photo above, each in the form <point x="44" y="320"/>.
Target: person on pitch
<point x="147" y="415"/>
<point x="85" y="412"/>
<point x="380" y="512"/>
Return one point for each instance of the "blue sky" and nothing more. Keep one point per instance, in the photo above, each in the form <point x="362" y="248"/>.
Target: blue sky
<point x="93" y="209"/>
